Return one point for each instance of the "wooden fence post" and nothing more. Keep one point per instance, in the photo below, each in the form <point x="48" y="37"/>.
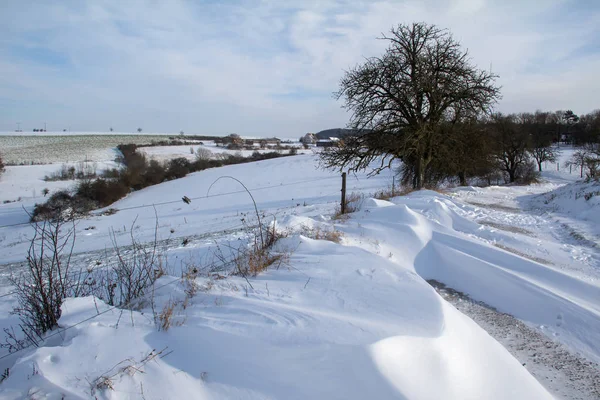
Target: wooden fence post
<point x="343" y="203"/>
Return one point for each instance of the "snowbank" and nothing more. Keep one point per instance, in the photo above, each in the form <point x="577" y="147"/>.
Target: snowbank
<point x="340" y="323"/>
<point x="579" y="200"/>
<point x="425" y="233"/>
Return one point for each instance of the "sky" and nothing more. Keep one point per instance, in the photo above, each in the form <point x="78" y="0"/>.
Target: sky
<point x="266" y="67"/>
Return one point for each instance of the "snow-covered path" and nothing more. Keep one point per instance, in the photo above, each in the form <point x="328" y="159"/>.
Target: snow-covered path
<point x="440" y="239"/>
<point x="559" y="369"/>
<point x="561" y="241"/>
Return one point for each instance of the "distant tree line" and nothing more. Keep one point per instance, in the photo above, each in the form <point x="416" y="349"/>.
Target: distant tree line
<point x="510" y="147"/>
<point x="423" y="103"/>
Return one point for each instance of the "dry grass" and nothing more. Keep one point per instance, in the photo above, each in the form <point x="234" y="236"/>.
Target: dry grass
<point x="391" y="192"/>
<point x="126" y="367"/>
<point x="165" y="317"/>
<point x="104" y="383"/>
<point x="260" y="255"/>
<point x="188" y="280"/>
<point x="354" y="202"/>
<point x="257" y="260"/>
<point x="331" y="235"/>
<point x="257" y="256"/>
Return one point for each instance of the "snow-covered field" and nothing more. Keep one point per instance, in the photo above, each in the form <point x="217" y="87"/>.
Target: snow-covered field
<point x="162" y="153"/>
<point x="58" y="147"/>
<point x="349" y="320"/>
<point x="47" y="149"/>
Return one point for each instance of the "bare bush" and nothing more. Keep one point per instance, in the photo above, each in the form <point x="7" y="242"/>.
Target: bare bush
<point x="65" y="173"/>
<point x="86" y="170"/>
<point x="203" y="154"/>
<point x="527" y="173"/>
<point x="134" y="273"/>
<point x="46" y="281"/>
<point x="82" y="170"/>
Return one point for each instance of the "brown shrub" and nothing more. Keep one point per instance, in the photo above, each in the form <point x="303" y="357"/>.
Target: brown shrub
<point x="331" y="235"/>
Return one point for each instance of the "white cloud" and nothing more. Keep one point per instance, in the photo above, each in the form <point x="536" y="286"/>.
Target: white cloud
<point x="265" y="66"/>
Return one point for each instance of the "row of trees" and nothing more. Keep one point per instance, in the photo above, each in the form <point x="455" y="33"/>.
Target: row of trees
<point x="425" y="104"/>
<point x="513" y="145"/>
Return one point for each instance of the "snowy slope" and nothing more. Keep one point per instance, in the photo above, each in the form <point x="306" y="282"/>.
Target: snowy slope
<point x="579" y="200"/>
<point x="279" y="186"/>
<point x="349" y="320"/>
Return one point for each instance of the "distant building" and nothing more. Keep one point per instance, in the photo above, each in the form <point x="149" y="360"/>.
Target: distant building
<point x="236" y="141"/>
<point x="269" y="142"/>
<point x="233" y="139"/>
<point x="309" y="138"/>
<point x="330" y="142"/>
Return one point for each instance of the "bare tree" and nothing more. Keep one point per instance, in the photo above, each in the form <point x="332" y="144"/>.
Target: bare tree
<point x="511" y="144"/>
<point x="468" y="152"/>
<point x="399" y="100"/>
<point x="588" y="156"/>
<point x="579" y="159"/>
<point x="589" y="125"/>
<point x="541" y="135"/>
<point x="570" y="119"/>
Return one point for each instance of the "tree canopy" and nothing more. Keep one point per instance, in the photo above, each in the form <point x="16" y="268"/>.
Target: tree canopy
<point x="405" y="103"/>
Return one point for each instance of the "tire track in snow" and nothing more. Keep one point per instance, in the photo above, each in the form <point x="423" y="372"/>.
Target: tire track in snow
<point x="565" y="374"/>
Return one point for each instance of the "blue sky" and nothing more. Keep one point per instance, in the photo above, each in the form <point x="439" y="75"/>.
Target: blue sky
<point x="265" y="66"/>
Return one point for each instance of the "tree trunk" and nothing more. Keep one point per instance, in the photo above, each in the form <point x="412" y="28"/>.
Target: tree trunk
<point x="511" y="175"/>
<point x="419" y="173"/>
<point x="539" y="166"/>
<point x="463" y="178"/>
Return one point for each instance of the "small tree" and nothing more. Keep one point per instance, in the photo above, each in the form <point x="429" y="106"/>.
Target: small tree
<point x="139" y="130"/>
<point x="579" y="160"/>
<point x="592" y="161"/>
<point x="542" y="153"/>
<point x="1" y="164"/>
